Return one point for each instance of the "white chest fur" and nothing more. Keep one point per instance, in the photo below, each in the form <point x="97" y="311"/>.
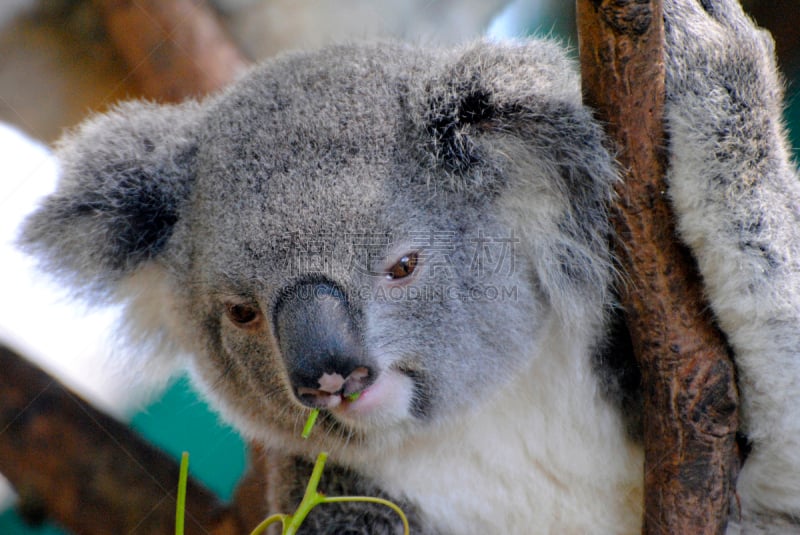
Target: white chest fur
<point x="547" y="455"/>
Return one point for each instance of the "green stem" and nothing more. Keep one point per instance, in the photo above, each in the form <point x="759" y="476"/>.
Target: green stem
<point x="312" y="417"/>
<point x="370" y="499"/>
<point x="311" y="498"/>
<point x="262" y="527"/>
<point x="180" y="512"/>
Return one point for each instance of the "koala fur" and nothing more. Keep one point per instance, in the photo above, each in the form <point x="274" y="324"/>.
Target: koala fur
<point x="390" y="220"/>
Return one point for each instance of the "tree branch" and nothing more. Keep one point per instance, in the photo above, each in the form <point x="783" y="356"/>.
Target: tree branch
<point x="90" y="473"/>
<point x="175" y="49"/>
<point x="690" y="397"/>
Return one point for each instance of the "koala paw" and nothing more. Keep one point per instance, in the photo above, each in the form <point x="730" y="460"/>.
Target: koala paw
<point x="715" y="50"/>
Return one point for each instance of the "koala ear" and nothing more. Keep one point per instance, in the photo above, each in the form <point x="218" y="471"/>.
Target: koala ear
<point x="456" y="111"/>
<point x="124" y="177"/>
<point x="491" y="98"/>
<point x="506" y="120"/>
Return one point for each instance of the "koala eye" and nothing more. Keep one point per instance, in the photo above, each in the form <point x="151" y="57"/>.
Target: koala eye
<point x="403" y="267"/>
<point x="242" y="314"/>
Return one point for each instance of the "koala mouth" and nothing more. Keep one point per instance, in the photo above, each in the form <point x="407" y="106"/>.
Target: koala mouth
<point x="383" y="398"/>
<point x="335" y="389"/>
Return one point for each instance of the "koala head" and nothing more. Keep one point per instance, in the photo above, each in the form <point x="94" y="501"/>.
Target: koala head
<point x="377" y="220"/>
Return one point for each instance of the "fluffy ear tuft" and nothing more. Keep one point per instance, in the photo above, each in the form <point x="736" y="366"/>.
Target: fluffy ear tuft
<point x="124" y="178"/>
<point x="488" y="91"/>
<point x="456" y="112"/>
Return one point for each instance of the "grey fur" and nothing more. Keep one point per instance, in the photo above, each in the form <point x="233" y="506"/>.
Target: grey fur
<point x="325" y="168"/>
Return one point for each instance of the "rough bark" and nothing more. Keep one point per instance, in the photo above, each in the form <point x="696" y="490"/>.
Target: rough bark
<point x="88" y="472"/>
<point x="690" y="397"/>
<point x="175" y="49"/>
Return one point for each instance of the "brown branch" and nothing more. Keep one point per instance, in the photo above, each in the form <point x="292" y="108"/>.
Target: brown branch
<point x="175" y="49"/>
<point x="85" y="470"/>
<point x="690" y="397"/>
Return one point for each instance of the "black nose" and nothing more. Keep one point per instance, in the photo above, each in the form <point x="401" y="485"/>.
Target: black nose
<point x="321" y="344"/>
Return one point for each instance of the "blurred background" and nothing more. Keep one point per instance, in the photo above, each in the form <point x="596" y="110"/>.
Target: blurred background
<point x="59" y="63"/>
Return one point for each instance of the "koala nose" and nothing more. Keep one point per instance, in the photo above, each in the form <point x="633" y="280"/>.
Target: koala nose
<point x="320" y="344"/>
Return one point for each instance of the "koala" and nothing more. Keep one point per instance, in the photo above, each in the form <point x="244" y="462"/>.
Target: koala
<point x="416" y="241"/>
